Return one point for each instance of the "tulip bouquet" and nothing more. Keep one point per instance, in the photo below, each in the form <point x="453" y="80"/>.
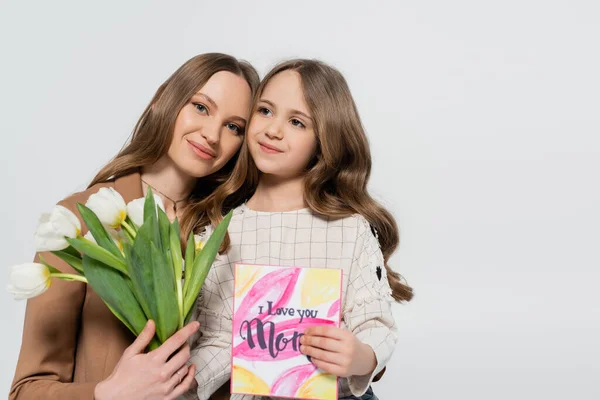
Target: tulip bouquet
<point x="132" y="257"/>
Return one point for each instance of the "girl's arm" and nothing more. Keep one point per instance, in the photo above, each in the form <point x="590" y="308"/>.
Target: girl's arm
<point x="367" y="311"/>
<point x="361" y="352"/>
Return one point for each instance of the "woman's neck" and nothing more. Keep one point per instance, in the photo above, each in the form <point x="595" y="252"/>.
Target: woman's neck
<point x="167" y="181"/>
<point x="276" y="195"/>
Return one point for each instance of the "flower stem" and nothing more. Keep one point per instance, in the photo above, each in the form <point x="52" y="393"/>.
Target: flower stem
<point x="180" y="301"/>
<point x="69" y="277"/>
<point x="128" y="228"/>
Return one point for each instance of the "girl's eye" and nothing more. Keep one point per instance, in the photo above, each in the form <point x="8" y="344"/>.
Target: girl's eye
<point x="234" y="128"/>
<point x="297" y="123"/>
<point x="264" y="111"/>
<point x="201" y="107"/>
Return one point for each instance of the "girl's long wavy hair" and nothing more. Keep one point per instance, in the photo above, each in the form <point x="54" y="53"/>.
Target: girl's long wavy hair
<point x="153" y="132"/>
<point x="336" y="178"/>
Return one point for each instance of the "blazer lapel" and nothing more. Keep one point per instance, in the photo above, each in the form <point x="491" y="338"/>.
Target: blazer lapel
<point x="130" y="186"/>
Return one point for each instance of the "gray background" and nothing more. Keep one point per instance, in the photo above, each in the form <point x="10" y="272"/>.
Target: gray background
<point x="484" y="122"/>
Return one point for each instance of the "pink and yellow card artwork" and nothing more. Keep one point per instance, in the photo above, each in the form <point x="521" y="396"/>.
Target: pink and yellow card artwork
<point x="272" y="307"/>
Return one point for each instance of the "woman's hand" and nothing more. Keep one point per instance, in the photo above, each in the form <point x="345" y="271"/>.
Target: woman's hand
<point x="160" y="374"/>
<point x="337" y="351"/>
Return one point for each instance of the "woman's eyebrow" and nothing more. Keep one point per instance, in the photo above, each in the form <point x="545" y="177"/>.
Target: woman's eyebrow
<point x="216" y="107"/>
<point x="208" y="99"/>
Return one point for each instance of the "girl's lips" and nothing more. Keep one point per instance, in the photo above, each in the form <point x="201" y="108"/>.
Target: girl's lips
<point x="267" y="148"/>
<point x="202" y="151"/>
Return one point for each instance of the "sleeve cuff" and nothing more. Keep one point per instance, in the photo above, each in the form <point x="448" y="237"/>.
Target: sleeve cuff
<point x="360" y="384"/>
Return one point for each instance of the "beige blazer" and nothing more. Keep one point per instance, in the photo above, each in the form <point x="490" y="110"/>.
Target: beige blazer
<point x="71" y="340"/>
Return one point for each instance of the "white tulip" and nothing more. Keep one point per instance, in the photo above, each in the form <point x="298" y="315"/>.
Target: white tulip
<point x="200" y="239"/>
<point x="53" y="227"/>
<point x="135" y="209"/>
<point x="198" y="242"/>
<point x="28" y="280"/>
<point x="109" y="207"/>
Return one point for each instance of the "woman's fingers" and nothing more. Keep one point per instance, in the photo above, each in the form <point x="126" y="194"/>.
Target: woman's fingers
<point x="176" y="341"/>
<point x="177" y="378"/>
<point x="142" y="341"/>
<point x="185" y="384"/>
<point x="178" y="360"/>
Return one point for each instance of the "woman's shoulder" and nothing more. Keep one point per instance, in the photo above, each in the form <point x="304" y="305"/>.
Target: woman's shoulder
<point x="70" y="202"/>
<point x="128" y="185"/>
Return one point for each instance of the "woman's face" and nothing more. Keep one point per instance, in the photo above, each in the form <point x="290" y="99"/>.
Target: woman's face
<point x="281" y="136"/>
<point x="209" y="129"/>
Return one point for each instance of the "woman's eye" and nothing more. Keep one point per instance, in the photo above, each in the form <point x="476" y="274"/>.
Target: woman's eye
<point x="298" y="123"/>
<point x="234" y="128"/>
<point x="264" y="111"/>
<point x="201" y="107"/>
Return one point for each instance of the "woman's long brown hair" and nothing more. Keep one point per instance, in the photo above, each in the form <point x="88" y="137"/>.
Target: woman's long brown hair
<point x="336" y="179"/>
<point x="153" y="132"/>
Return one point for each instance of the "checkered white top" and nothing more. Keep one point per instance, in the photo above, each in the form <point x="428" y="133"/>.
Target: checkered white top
<point x="303" y="239"/>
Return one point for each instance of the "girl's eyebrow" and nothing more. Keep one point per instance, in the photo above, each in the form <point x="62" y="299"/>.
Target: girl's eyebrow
<point x="272" y="105"/>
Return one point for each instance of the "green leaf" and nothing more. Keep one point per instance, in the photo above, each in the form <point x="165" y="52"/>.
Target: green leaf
<point x="50" y="267"/>
<point x="177" y="261"/>
<point x="164" y="226"/>
<point x="190" y="254"/>
<point x="70" y="250"/>
<point x="102" y="237"/>
<point x="188" y="316"/>
<point x="175" y="247"/>
<point x="152" y="231"/>
<point x="140" y="272"/>
<point x="165" y="295"/>
<point x="154" y="344"/>
<point x="203" y="262"/>
<point x="122" y="319"/>
<point x="73" y="261"/>
<point x="113" y="289"/>
<point x="128" y="236"/>
<point x="149" y="205"/>
<point x="98" y="253"/>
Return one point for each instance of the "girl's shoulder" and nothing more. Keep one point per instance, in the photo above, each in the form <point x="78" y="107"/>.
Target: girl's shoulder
<point x="304" y="218"/>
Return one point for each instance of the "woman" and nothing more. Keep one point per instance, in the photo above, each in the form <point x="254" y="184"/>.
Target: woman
<point x="183" y="147"/>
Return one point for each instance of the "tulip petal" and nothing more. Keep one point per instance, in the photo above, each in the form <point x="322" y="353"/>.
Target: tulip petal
<point x="109" y="207"/>
<point x="28" y="280"/>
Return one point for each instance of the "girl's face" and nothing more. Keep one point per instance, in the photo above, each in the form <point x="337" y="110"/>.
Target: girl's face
<point x="209" y="129"/>
<point x="281" y="136"/>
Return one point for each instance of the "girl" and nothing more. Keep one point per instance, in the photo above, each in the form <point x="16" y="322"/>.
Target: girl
<point x="183" y="147"/>
<point x="304" y="168"/>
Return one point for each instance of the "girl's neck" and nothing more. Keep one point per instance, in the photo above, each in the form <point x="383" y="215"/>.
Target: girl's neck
<point x="277" y="195"/>
<point x="167" y="181"/>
